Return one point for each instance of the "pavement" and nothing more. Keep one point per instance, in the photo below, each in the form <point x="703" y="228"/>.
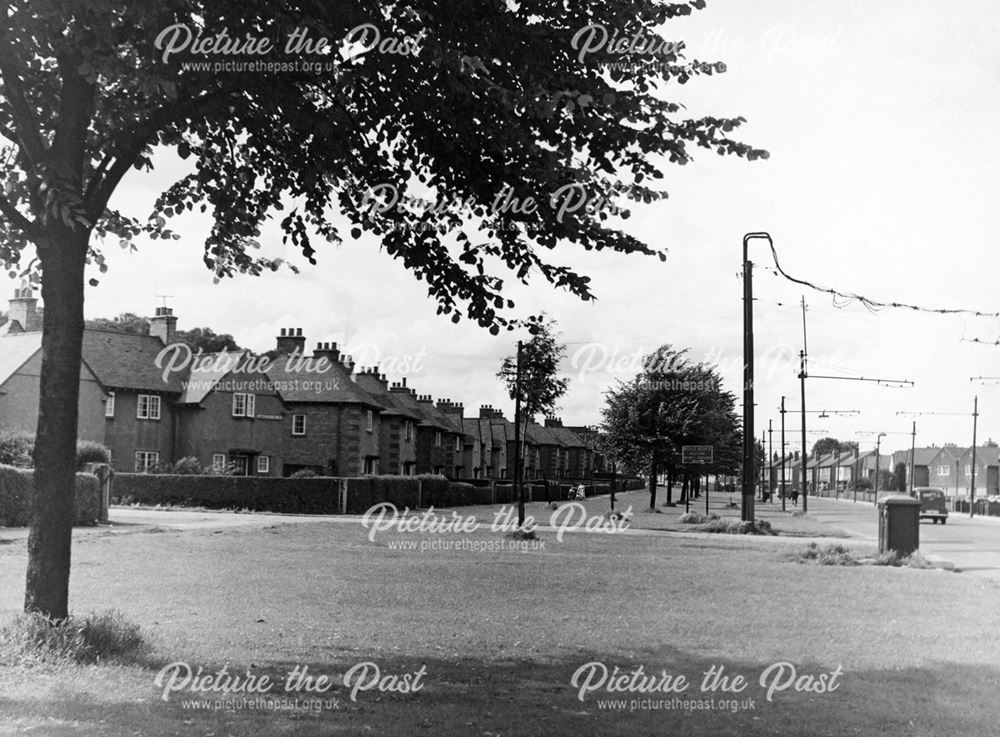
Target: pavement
<point x="969" y="545"/>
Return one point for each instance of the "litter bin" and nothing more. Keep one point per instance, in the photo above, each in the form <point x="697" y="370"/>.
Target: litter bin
<point x="898" y="524"/>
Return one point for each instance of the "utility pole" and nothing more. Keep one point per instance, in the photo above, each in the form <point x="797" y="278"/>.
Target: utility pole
<point x="878" y="451"/>
<point x="517" y="439"/>
<point x="913" y="452"/>
<point x="972" y="488"/>
<point x="746" y="508"/>
<point x="802" y="378"/>
<point x="770" y="457"/>
<point x="782" y="482"/>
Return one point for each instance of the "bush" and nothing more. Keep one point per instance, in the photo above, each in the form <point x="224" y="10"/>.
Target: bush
<point x="16" y="449"/>
<point x="187" y="466"/>
<point x="696" y="518"/>
<point x="87" y="451"/>
<point x="829" y="555"/>
<point x="738" y="527"/>
<point x="305" y="473"/>
<point x="915" y="559"/>
<point x="106" y="637"/>
<point x="16" y="488"/>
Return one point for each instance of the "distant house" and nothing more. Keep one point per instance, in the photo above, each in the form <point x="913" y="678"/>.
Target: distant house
<point x="987" y="471"/>
<point x="397" y="427"/>
<point x="333" y="425"/>
<point x="231" y="418"/>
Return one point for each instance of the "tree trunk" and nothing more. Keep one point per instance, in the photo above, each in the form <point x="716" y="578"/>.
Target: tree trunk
<point x="685" y="485"/>
<point x="652" y="479"/>
<point x="671" y="478"/>
<point x="50" y="536"/>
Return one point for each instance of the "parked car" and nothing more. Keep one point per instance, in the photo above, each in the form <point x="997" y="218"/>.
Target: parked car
<point x="932" y="504"/>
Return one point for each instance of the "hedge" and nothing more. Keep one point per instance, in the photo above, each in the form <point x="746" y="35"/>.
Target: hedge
<point x="257" y="493"/>
<point x="322" y="494"/>
<point x="17" y="486"/>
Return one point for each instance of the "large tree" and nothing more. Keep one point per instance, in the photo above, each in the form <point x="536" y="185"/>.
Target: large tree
<point x="670" y="404"/>
<point x="483" y="104"/>
<point x="533" y="383"/>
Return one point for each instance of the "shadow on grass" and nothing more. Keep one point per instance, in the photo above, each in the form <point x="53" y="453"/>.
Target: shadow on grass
<point x="522" y="697"/>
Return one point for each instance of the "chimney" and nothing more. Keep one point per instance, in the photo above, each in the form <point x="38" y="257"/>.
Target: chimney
<point x="552" y="421"/>
<point x="329" y="351"/>
<point x="454" y="409"/>
<point x="163" y="325"/>
<point x="426" y="399"/>
<point x="291" y="341"/>
<point x="23" y="311"/>
<point x="486" y="412"/>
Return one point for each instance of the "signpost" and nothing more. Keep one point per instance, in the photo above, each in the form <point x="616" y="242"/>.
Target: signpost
<point x="697" y="454"/>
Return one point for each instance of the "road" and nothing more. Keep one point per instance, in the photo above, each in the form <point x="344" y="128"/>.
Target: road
<point x="973" y="545"/>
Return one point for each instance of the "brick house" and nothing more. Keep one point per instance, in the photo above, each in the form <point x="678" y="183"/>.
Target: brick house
<point x="333" y="425"/>
<point x="434" y="432"/>
<point x="397" y="425"/>
<point x="465" y="441"/>
<point x="578" y="455"/>
<point x="230" y="416"/>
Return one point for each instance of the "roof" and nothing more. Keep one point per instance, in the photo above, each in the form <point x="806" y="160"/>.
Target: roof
<point x="208" y="373"/>
<point x="333" y="386"/>
<point x="15" y="350"/>
<point x="541" y="435"/>
<point x="392" y="406"/>
<point x="567" y="437"/>
<point x="425" y="411"/>
<point x="128" y="361"/>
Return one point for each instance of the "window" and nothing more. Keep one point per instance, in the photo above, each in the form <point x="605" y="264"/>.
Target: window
<point x="968" y="470"/>
<point x="458" y="444"/>
<point x="147" y="407"/>
<point x="943" y="470"/>
<point x="298" y="424"/>
<point x="370" y="467"/>
<point x="408" y="430"/>
<point x="109" y="405"/>
<point x="263" y="464"/>
<point x="437" y="438"/>
<point x="218" y="461"/>
<point x="244" y="405"/>
<point x="146" y="460"/>
<point x="369" y="420"/>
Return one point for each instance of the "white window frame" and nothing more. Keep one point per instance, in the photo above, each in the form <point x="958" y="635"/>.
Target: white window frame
<point x="302" y="431"/>
<point x="408" y="431"/>
<point x="109" y="405"/>
<point x="249" y="404"/>
<point x="968" y="470"/>
<point x="369" y="421"/>
<point x="147" y="407"/>
<point x="263" y="465"/>
<point x="437" y="438"/>
<point x="458" y="444"/>
<point x="945" y="472"/>
<point x="145" y="460"/>
<point x="218" y="461"/>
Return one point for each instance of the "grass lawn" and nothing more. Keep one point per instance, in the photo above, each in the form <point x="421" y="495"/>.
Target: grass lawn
<point x="500" y="635"/>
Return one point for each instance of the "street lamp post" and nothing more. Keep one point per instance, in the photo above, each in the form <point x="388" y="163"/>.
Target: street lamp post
<point x="878" y="464"/>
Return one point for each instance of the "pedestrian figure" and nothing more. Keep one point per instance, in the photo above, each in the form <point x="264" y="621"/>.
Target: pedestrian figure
<point x="795" y="497"/>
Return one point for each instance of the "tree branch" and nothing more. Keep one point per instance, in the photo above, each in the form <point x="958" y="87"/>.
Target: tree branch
<point x="18" y="220"/>
<point x="28" y="133"/>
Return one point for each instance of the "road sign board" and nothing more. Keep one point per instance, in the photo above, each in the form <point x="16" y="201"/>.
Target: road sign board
<point x="696" y="453"/>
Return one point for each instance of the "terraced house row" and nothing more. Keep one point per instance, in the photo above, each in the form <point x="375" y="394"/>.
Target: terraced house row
<point x="152" y="403"/>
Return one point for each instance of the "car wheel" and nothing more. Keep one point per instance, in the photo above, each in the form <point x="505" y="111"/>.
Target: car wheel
<point x="943" y="520"/>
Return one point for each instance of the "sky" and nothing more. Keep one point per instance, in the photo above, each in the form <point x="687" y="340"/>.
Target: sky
<point x="880" y="120"/>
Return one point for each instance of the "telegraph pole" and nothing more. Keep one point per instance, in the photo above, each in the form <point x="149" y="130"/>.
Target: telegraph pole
<point x="770" y="457"/>
<point x="782" y="482"/>
<point x="517" y="439"/>
<point x="972" y="488"/>
<point x="913" y="451"/>
<point x="802" y="378"/>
